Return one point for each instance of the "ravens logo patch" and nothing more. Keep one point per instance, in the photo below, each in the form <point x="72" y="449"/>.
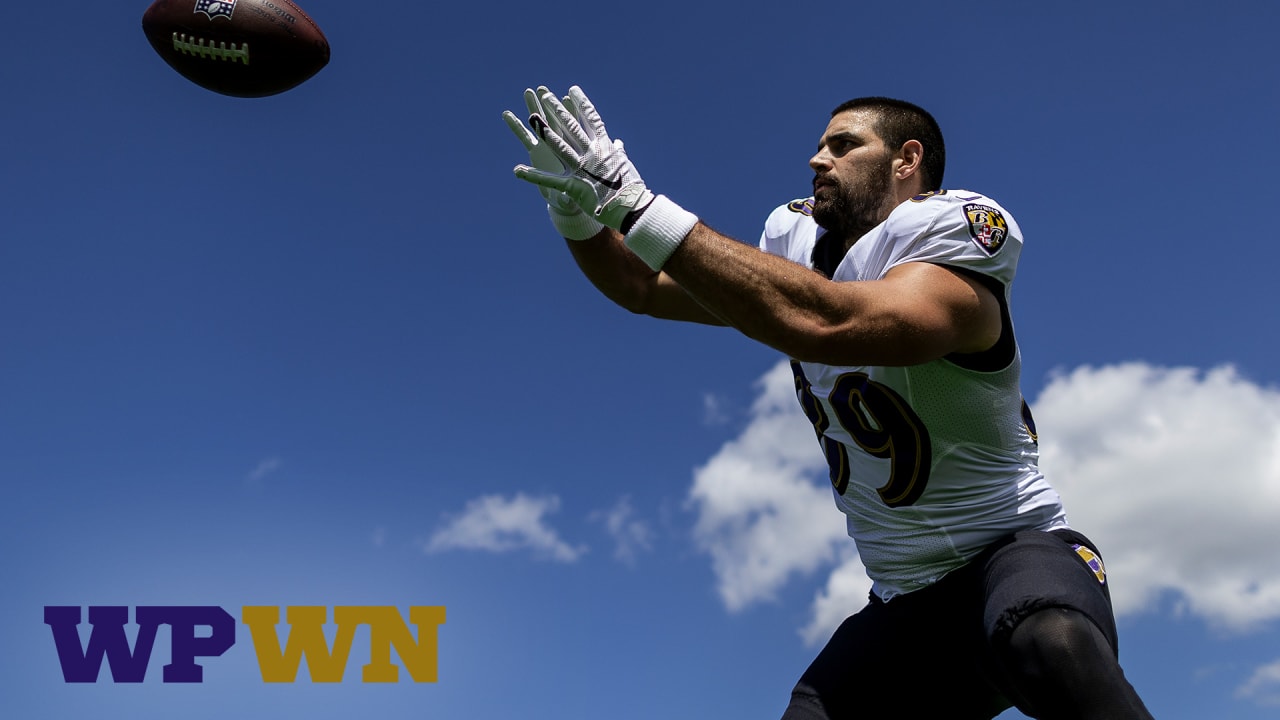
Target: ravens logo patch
<point x="987" y="227"/>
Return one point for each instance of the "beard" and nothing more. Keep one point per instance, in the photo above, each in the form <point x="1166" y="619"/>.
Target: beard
<point x="852" y="207"/>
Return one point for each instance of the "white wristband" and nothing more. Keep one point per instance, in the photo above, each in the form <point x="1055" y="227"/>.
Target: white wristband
<point x="659" y="231"/>
<point x="574" y="226"/>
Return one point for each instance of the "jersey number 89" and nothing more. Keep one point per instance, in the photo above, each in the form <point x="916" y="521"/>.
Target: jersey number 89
<point x="881" y="423"/>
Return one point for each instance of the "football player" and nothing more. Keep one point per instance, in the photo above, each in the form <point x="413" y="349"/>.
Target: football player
<point x="891" y="297"/>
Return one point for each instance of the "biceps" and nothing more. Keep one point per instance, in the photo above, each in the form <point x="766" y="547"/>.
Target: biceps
<point x="943" y="308"/>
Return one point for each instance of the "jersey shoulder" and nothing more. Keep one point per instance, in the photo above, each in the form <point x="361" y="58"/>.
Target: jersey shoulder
<point x="787" y="217"/>
<point x="790" y="230"/>
<point x="957" y="227"/>
<point x="958" y="213"/>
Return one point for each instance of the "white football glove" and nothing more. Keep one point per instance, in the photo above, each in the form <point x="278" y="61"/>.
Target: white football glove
<point x="569" y="219"/>
<point x="599" y="177"/>
<point x="597" y="173"/>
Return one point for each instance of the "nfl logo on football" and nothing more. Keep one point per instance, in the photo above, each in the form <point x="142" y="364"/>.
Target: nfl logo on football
<point x="216" y="8"/>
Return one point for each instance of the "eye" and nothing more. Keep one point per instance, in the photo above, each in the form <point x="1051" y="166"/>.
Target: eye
<point x="838" y="146"/>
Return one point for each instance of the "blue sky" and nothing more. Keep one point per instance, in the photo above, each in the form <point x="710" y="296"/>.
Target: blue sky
<point x="323" y="349"/>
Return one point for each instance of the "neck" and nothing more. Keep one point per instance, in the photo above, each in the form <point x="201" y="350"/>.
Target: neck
<point x="856" y="230"/>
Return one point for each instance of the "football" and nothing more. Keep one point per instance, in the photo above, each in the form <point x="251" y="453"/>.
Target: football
<point x="242" y="48"/>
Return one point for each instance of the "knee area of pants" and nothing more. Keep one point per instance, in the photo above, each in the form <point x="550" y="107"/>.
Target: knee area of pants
<point x="1052" y="637"/>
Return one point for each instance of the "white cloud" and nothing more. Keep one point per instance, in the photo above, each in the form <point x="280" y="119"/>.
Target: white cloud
<point x="713" y="410"/>
<point x="765" y="512"/>
<point x="502" y="524"/>
<point x="630" y="536"/>
<point x="1174" y="472"/>
<point x="1263" y="687"/>
<point x="847" y="590"/>
<point x="263" y="469"/>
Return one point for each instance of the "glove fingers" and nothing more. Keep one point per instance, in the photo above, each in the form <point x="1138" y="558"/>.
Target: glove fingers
<point x="522" y="133"/>
<point x="572" y="106"/>
<point x="564" y="121"/>
<point x="579" y="191"/>
<point x="535" y="107"/>
<point x="531" y="102"/>
<point x="568" y="155"/>
<point x="595" y="173"/>
<point x="542" y="156"/>
<point x="547" y="114"/>
<point x="542" y="178"/>
<point x="587" y="111"/>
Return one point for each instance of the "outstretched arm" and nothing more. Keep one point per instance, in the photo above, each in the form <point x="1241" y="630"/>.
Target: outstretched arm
<point x="628" y="281"/>
<point x="918" y="312"/>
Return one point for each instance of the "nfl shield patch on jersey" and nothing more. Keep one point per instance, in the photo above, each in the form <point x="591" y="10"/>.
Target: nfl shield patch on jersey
<point x="987" y="227"/>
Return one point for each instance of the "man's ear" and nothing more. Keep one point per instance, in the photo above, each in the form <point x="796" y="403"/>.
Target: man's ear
<point x="910" y="157"/>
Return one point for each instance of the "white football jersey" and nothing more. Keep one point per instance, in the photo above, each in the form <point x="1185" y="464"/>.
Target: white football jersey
<point x="930" y="463"/>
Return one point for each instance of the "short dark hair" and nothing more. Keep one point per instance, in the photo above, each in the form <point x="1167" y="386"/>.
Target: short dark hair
<point x="898" y="121"/>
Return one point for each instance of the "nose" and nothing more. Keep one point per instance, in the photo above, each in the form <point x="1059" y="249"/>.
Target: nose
<point x="821" y="160"/>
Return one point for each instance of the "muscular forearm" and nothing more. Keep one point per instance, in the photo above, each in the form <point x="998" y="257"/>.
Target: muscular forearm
<point x="626" y="280"/>
<point x="767" y="298"/>
<point x="612" y="269"/>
